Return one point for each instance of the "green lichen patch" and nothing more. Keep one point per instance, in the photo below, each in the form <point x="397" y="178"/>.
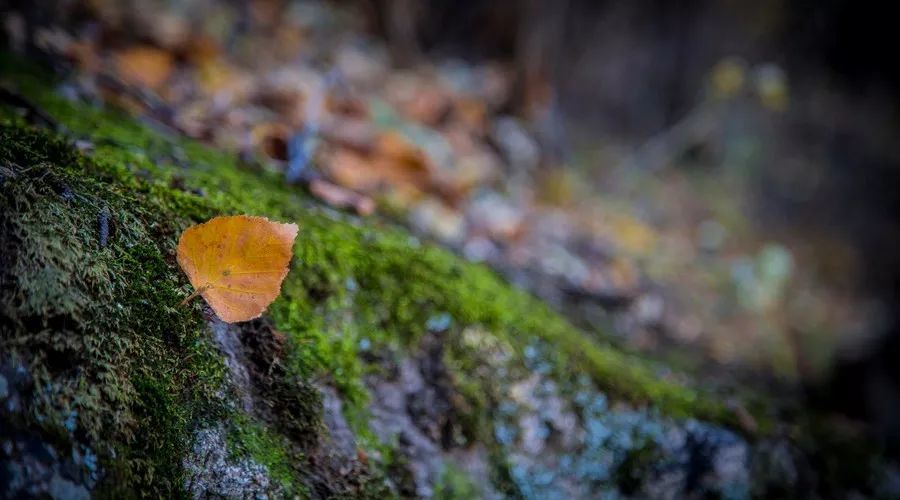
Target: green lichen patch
<point x="254" y="440"/>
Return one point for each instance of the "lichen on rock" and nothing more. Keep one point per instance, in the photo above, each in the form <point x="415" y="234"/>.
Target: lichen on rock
<point x="210" y="470"/>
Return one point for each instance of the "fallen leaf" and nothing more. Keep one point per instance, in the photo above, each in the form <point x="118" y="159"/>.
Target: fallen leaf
<point x="237" y="263"/>
<point x="144" y="65"/>
<point x="374" y="175"/>
<point x="352" y="170"/>
<point x="396" y="148"/>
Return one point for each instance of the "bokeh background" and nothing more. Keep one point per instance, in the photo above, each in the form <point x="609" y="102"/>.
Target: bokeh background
<point x="711" y="182"/>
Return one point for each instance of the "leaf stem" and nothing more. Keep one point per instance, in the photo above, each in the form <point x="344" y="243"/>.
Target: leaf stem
<point x="195" y="294"/>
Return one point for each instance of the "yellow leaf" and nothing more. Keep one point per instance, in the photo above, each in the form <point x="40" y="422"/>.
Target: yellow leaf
<point x="237" y="263"/>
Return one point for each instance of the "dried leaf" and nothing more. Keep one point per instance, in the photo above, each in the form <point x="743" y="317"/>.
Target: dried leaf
<point x="144" y="65"/>
<point x="396" y="148"/>
<point x="354" y="171"/>
<point x="237" y="263"/>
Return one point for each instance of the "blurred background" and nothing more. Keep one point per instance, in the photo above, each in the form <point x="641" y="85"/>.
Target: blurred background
<point x="711" y="182"/>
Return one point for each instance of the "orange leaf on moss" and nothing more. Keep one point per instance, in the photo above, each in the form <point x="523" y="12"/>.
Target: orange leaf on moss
<point x="237" y="263"/>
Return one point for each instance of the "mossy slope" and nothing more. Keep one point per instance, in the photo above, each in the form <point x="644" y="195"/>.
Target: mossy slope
<point x="90" y="292"/>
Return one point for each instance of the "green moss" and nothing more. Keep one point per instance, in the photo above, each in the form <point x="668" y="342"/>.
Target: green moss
<point x="399" y="286"/>
<point x="115" y="362"/>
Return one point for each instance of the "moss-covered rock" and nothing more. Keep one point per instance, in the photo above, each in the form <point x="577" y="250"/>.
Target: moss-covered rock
<point x="387" y="367"/>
